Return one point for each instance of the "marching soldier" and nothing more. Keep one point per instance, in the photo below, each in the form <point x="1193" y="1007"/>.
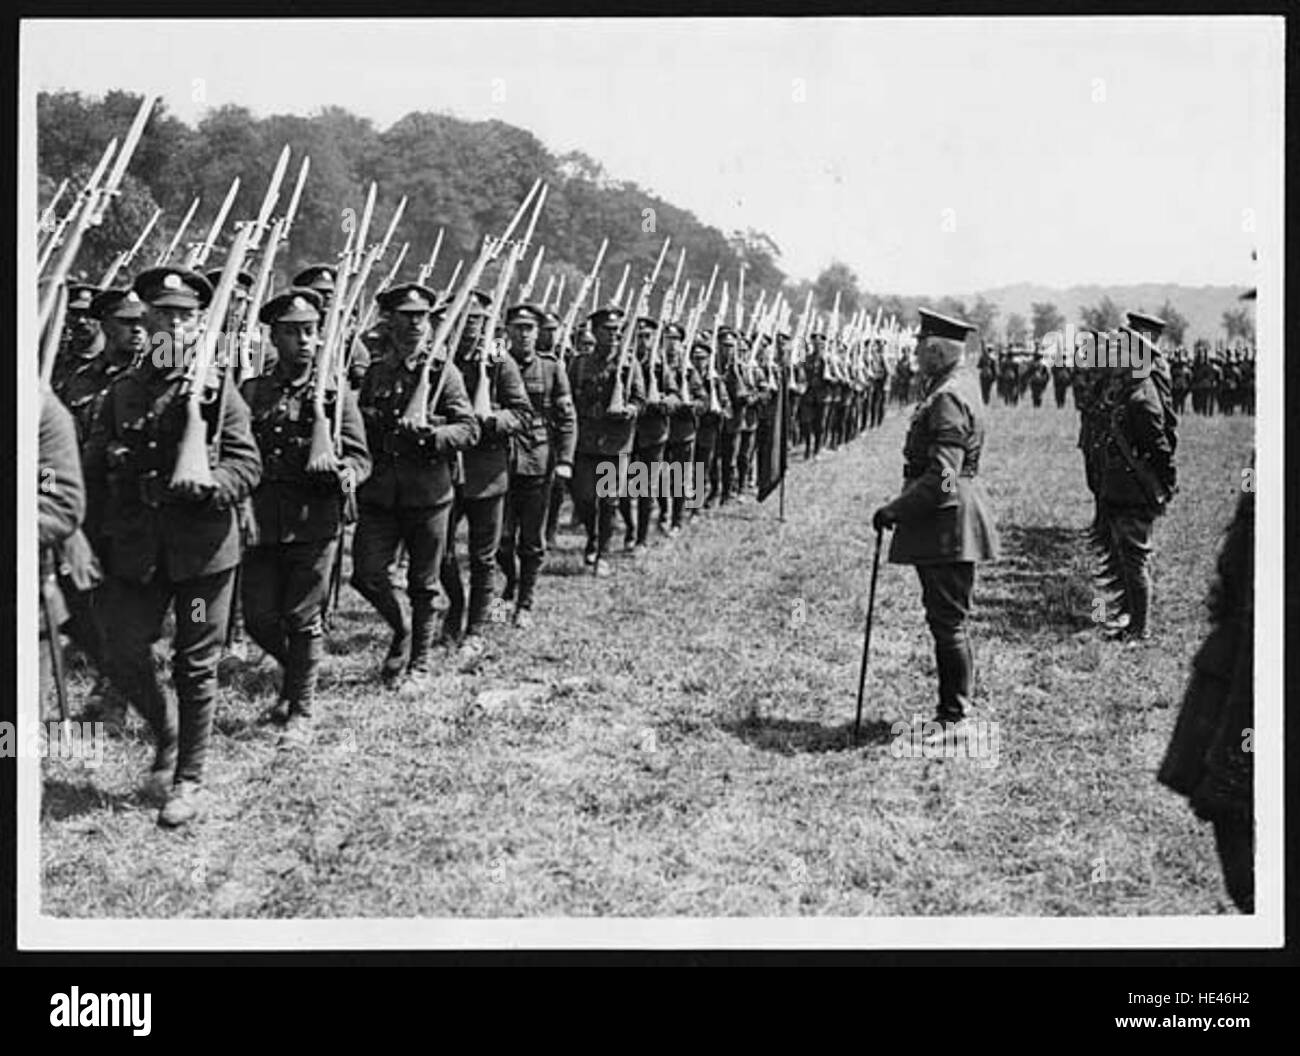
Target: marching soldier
<point x="988" y="371"/>
<point x="503" y="410"/>
<point x="652" y="428"/>
<point x="813" y="404"/>
<point x="60" y="508"/>
<point x="680" y="450"/>
<point x="942" y="522"/>
<point x="541" y="453"/>
<point x="605" y="434"/>
<point x="710" y="406"/>
<point x="169" y="545"/>
<point x="323" y="278"/>
<point x="298" y="515"/>
<point x="766" y="379"/>
<point x="1180" y="380"/>
<point x="736" y="430"/>
<point x="407" y="499"/>
<point x="82" y="343"/>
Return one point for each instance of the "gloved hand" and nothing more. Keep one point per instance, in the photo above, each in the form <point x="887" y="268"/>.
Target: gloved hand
<point x="563" y="471"/>
<point x="883" y="518"/>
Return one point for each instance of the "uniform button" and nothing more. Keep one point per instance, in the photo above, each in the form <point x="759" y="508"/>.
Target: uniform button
<point x="279" y="428"/>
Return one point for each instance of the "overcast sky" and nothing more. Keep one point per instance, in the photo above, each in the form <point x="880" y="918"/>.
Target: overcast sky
<point x="932" y="155"/>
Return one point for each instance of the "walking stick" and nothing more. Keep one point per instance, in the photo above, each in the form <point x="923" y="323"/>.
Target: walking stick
<point x="866" y="641"/>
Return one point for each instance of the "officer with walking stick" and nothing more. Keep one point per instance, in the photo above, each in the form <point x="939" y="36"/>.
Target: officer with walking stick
<point x="942" y="523"/>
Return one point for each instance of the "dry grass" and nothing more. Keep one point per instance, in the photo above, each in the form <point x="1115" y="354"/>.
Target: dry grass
<point x="674" y="741"/>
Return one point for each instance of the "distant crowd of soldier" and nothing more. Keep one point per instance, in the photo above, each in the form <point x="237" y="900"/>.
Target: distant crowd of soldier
<point x="1221" y="382"/>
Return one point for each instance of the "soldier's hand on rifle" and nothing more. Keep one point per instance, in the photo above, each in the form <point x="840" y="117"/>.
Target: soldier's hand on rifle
<point x="624" y="414"/>
<point x="883" y="518"/>
<point x="347" y="477"/>
<point x="563" y="471"/>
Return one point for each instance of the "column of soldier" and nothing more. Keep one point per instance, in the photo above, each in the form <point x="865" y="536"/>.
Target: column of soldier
<point x="1222" y="381"/>
<point x="222" y="465"/>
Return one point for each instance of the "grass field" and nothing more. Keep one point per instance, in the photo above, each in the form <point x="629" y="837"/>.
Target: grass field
<point x="675" y="740"/>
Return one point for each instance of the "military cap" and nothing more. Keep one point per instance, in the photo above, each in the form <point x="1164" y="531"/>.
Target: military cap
<point x="525" y="313"/>
<point x="675" y="330"/>
<point x="550" y="318"/>
<point x="935" y="325"/>
<point x="409" y="297"/>
<point x="117" y="304"/>
<point x="480" y="303"/>
<point x="701" y="347"/>
<point x="319" y="277"/>
<point x="242" y="279"/>
<point x="1144" y="323"/>
<point x="173" y="288"/>
<point x="610" y="313"/>
<point x="297" y="305"/>
<point x="644" y="321"/>
<point x="727" y="331"/>
<point x="80" y="296"/>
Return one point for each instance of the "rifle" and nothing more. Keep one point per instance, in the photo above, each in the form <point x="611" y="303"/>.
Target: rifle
<point x="416" y="415"/>
<point x="571" y="316"/>
<point x="258" y="295"/>
<point x="81" y="209"/>
<point x="124" y="259"/>
<point x="455" y="274"/>
<point x="426" y="269"/>
<point x="559" y="291"/>
<point x="546" y="294"/>
<point x="617" y="397"/>
<point x="368" y="319"/>
<point x="198" y="254"/>
<point x="192" y="454"/>
<point x="46" y="221"/>
<point x="291" y="214"/>
<point x="526" y="290"/>
<point x="166" y="254"/>
<point x="269" y="200"/>
<point x="622" y="283"/>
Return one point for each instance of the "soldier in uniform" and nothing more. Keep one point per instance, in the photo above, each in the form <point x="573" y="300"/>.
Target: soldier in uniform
<point x="82" y="343"/>
<point x="60" y="508"/>
<point x="988" y="371"/>
<point x="878" y="376"/>
<point x="605" y="436"/>
<point x="1039" y="376"/>
<point x="652" y="428"/>
<point x="542" y="452"/>
<point x="679" y="451"/>
<point x="407" y="500"/>
<point x="765" y="376"/>
<point x="298" y="514"/>
<point x="942" y="522"/>
<point x="169" y="544"/>
<point x="503" y="410"/>
<point x="813" y="405"/>
<point x="710" y="407"/>
<point x="1134" y="439"/>
<point x="323" y="278"/>
<point x="1060" y="382"/>
<point x="1180" y="380"/>
<point x="120" y="314"/>
<point x="738" y="427"/>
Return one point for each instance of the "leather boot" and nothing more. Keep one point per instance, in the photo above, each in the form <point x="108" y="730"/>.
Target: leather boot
<point x="300" y="676"/>
<point x="421" y="632"/>
<point x="956" y="678"/>
<point x="453" y="620"/>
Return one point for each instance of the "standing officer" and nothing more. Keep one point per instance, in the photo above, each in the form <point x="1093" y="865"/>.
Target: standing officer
<point x="544" y="449"/>
<point x="407" y="500"/>
<point x="298" y="515"/>
<point x="735" y="428"/>
<point x="942" y="520"/>
<point x="1135" y="440"/>
<point x="165" y="545"/>
<point x="503" y="411"/>
<point x="812" y="407"/>
<point x="605" y="436"/>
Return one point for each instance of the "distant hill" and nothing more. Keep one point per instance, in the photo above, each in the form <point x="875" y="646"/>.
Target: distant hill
<point x="1202" y="305"/>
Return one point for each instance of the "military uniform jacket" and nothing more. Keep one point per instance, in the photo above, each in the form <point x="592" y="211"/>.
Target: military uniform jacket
<point x="707" y="422"/>
<point x="412" y="469"/>
<point x="815" y="378"/>
<point x="942" y="514"/>
<point x="767" y="380"/>
<point x="487" y="461"/>
<point x="291" y="505"/>
<point x="741" y="417"/>
<point x="60" y="489"/>
<point x="1132" y="414"/>
<point x="653" y="423"/>
<point x="553" y="431"/>
<point x="82" y="387"/>
<point x="681" y="413"/>
<point x="591" y="378"/>
<point x="141" y="527"/>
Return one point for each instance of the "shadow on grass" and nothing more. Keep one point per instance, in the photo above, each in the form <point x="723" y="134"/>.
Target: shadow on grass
<point x="1035" y="586"/>
<point x="792" y="737"/>
<point x="61" y="800"/>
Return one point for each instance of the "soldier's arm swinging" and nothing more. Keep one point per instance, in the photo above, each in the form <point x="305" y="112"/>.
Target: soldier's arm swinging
<point x="239" y="462"/>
